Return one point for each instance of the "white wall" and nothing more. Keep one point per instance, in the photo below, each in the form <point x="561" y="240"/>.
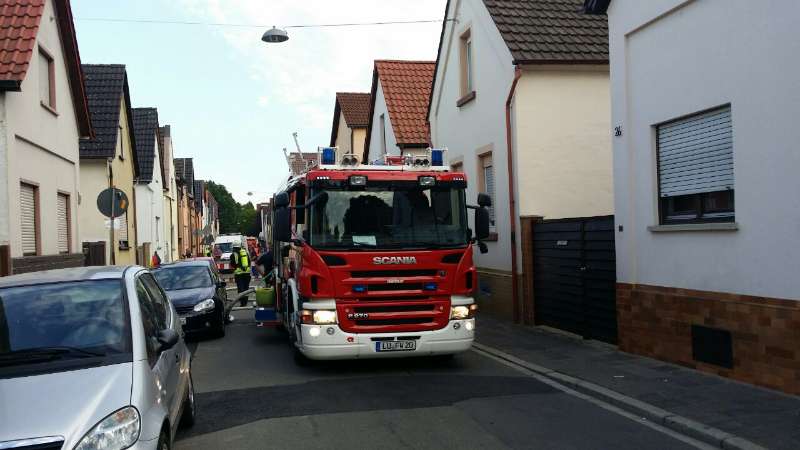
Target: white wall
<point x="170" y="206"/>
<point x="42" y="147"/>
<point x="150" y="211"/>
<point x="480" y="124"/>
<point x="4" y="209"/>
<point x="343" y="135"/>
<point x="669" y="64"/>
<point x="563" y="143"/>
<point x="375" y="146"/>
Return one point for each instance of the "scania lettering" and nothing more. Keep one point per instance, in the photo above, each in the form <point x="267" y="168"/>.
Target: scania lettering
<point x="375" y="260"/>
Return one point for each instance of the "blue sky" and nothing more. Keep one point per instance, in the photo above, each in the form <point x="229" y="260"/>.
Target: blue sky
<point x="233" y="101"/>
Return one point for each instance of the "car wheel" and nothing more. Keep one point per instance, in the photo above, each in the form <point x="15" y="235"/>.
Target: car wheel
<point x="219" y="329"/>
<point x="189" y="408"/>
<point x="163" y="441"/>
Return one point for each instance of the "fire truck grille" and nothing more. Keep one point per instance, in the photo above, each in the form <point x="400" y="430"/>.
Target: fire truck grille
<point x="393" y="273"/>
<point x="394" y="315"/>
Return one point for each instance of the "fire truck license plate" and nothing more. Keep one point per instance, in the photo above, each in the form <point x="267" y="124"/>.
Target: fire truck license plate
<point x="395" y="346"/>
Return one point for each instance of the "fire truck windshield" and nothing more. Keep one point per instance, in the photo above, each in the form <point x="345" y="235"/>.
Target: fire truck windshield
<point x="390" y="217"/>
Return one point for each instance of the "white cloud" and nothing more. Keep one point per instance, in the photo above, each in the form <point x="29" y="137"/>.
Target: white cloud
<point x="303" y="73"/>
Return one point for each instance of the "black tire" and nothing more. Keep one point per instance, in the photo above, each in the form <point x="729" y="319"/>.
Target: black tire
<point x="300" y="359"/>
<point x="189" y="414"/>
<point x="163" y="441"/>
<point x="219" y="328"/>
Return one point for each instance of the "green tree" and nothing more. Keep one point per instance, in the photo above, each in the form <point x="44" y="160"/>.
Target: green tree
<point x="248" y="220"/>
<point x="230" y="211"/>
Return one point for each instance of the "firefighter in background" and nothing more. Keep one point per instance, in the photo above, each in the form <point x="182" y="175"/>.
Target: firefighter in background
<point x="241" y="274"/>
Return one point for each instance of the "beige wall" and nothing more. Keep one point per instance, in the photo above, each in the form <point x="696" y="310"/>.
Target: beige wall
<point x="43" y="147"/>
<point x="347" y="136"/>
<point x="359" y="141"/>
<point x="343" y="136"/>
<point x="563" y="142"/>
<point x="94" y="179"/>
<point x="170" y="204"/>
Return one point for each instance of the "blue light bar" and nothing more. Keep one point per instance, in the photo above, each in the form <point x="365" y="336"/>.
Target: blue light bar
<point x="429" y="286"/>
<point x="437" y="157"/>
<point x="328" y="155"/>
<point x="360" y="288"/>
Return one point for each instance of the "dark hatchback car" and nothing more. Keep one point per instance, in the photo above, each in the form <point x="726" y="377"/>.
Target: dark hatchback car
<point x="198" y="293"/>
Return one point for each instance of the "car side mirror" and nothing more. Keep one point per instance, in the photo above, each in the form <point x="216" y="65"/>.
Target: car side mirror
<point x="481" y="223"/>
<point x="484" y="200"/>
<point x="282" y="225"/>
<point x="167" y="338"/>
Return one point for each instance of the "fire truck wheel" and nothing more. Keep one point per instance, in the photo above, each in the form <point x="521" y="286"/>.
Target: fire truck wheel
<point x="300" y="359"/>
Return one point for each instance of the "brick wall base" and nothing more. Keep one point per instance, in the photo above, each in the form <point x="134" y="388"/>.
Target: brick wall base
<point x="494" y="294"/>
<point x="46" y="262"/>
<point x="657" y="322"/>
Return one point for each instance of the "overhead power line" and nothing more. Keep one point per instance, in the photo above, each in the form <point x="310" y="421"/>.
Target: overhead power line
<point x="248" y="25"/>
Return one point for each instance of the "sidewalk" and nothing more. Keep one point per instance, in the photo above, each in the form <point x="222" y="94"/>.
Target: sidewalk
<point x="767" y="418"/>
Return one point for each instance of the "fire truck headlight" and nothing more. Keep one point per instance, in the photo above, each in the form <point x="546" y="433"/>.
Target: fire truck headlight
<point x="358" y="180"/>
<point x="463" y="312"/>
<point x="427" y="181"/>
<point x="324" y="317"/>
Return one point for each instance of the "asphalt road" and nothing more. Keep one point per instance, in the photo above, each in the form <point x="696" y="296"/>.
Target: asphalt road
<point x="252" y="395"/>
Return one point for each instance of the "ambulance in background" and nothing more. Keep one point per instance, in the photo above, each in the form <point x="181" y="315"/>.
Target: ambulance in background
<point x="223" y="246"/>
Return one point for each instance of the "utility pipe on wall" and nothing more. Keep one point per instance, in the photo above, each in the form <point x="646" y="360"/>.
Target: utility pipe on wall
<point x="512" y="198"/>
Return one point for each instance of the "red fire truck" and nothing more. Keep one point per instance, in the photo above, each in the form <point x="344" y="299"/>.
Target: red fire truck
<point x="376" y="260"/>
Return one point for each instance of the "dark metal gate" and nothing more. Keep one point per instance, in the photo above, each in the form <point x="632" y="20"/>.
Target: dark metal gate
<point x="574" y="275"/>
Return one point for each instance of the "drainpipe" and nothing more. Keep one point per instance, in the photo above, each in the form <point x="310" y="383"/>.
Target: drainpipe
<point x="112" y="258"/>
<point x="511" y="197"/>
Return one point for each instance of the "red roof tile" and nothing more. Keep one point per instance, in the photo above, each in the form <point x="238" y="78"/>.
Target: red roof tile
<point x="19" y="22"/>
<point x="406" y="87"/>
<point x="301" y="162"/>
<point x="355" y="107"/>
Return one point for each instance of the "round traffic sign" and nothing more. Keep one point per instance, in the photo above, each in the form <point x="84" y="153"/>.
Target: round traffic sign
<point x="112" y="203"/>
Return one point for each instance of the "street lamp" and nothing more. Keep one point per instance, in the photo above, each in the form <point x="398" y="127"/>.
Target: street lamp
<point x="275" y="36"/>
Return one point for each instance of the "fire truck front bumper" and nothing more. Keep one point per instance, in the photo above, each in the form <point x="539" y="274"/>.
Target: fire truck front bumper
<point x="324" y="342"/>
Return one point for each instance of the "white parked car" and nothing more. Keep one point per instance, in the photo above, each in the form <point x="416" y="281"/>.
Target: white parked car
<point x="91" y="358"/>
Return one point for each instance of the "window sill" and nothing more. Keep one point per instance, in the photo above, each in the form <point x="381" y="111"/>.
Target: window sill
<point x="711" y="226"/>
<point x="49" y="108"/>
<point x="492" y="237"/>
<point x="465" y="99"/>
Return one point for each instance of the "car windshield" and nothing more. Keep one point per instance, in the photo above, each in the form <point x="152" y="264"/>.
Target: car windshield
<point x="390" y="217"/>
<point x="183" y="277"/>
<point x="223" y="247"/>
<point x="65" y="319"/>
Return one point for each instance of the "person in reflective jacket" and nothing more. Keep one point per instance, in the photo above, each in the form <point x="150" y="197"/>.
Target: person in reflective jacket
<point x="241" y="273"/>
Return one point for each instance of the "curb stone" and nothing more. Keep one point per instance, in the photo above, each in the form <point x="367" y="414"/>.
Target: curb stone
<point x="680" y="424"/>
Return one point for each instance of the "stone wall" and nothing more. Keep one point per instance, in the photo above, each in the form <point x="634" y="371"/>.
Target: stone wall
<point x="765" y="332"/>
<point x="46" y="262"/>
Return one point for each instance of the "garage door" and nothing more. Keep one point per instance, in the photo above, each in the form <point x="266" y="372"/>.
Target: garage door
<point x="575" y="276"/>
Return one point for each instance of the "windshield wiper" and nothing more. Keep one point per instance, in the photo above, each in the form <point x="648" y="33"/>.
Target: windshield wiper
<point x="45" y="354"/>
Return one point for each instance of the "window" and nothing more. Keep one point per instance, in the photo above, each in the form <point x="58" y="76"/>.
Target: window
<point x="123" y="231"/>
<point x="466" y="68"/>
<point x="29" y="218"/>
<point x="62" y="223"/>
<point x="149" y="322"/>
<point x="486" y="182"/>
<point x="161" y="305"/>
<point x="47" y="79"/>
<point x="383" y="134"/>
<point x="695" y="168"/>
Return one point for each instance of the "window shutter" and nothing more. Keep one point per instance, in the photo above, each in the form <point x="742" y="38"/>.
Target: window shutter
<point x="488" y="174"/>
<point x="62" y="219"/>
<point x="123" y="227"/>
<point x="695" y="155"/>
<point x="27" y="200"/>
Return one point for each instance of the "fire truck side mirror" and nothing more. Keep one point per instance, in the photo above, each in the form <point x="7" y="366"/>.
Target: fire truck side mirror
<point x="281" y="199"/>
<point x="481" y="223"/>
<point x="484" y="200"/>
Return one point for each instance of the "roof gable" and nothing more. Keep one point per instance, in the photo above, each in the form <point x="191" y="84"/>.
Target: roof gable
<point x="145" y="130"/>
<point x="550" y="31"/>
<point x="184" y="173"/>
<point x="406" y="87"/>
<point x="354" y="106"/>
<point x="104" y="90"/>
<point x="19" y="26"/>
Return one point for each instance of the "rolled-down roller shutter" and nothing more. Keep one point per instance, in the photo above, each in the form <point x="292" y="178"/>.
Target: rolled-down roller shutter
<point x="62" y="217"/>
<point x="27" y="214"/>
<point x="695" y="154"/>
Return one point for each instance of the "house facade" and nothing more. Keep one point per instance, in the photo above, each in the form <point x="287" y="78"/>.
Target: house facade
<point x="184" y="175"/>
<point x="109" y="160"/>
<point x="170" y="195"/>
<point x="43" y="114"/>
<point x="350" y="120"/>
<point x="398" y="104"/>
<point x="521" y="101"/>
<point x="149" y="186"/>
<point x="705" y="103"/>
